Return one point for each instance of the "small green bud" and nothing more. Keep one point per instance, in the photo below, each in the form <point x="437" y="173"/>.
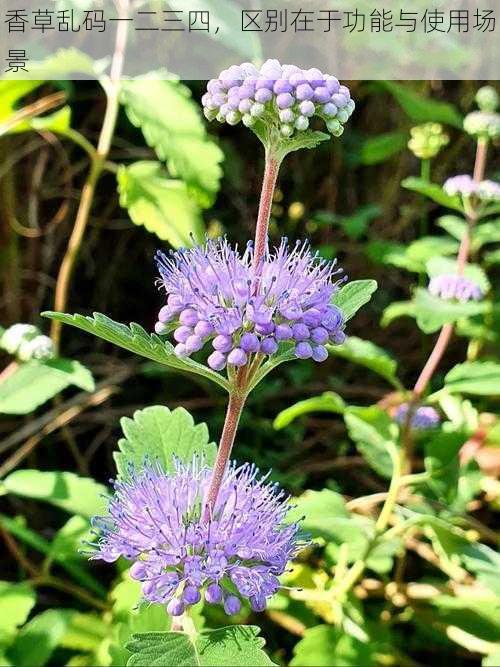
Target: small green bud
<point x="487" y="98"/>
<point x="427" y="140"/>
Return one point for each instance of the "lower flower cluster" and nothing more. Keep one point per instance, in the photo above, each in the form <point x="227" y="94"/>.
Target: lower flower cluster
<point x="452" y="286"/>
<point x="424" y="418"/>
<point x="216" y="294"/>
<point x="238" y="553"/>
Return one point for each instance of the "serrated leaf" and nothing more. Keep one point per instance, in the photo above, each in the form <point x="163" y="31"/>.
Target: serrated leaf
<point x="432" y="191"/>
<point x="375" y="435"/>
<point x="481" y="378"/>
<point x="369" y="355"/>
<point x="161" y="434"/>
<point x="171" y="124"/>
<point x="35" y="382"/>
<point x="307" y="139"/>
<point x="78" y="495"/>
<point x="329" y="401"/>
<point x="432" y="312"/>
<point x="326" y="645"/>
<point x="423" y="109"/>
<point x="162" y="205"/>
<point x="135" y="339"/>
<point x="353" y="295"/>
<point x="235" y="646"/>
<point x="37" y="640"/>
<point x="323" y="514"/>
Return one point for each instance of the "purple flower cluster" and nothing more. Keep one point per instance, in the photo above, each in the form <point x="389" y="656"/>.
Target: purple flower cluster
<point x="156" y="520"/>
<point x="465" y="186"/>
<point x="282" y="95"/>
<point x="424" y="417"/>
<point x="452" y="286"/>
<point x="217" y="295"/>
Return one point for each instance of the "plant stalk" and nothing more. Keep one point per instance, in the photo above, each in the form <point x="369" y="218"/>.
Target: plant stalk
<point x="271" y="169"/>
<point x="97" y="165"/>
<point x="233" y="414"/>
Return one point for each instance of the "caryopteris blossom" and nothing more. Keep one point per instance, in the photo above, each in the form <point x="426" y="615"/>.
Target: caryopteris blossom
<point x="483" y="124"/>
<point x="465" y="186"/>
<point x="282" y="95"/>
<point x="452" y="286"/>
<point x="217" y="295"/>
<point x="157" y="521"/>
<point x="27" y="343"/>
<point x="423" y="418"/>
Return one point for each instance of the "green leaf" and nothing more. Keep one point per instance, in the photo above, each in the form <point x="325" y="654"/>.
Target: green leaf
<point x="62" y="550"/>
<point x="432" y="191"/>
<point x="396" y="310"/>
<point x="486" y="232"/>
<point x="58" y="122"/>
<point x="135" y="339"/>
<point x="423" y="109"/>
<point x="161" y="434"/>
<point x="78" y="495"/>
<point x="16" y="602"/>
<point x="329" y="401"/>
<point x="381" y="147"/>
<point x="235" y="646"/>
<point x="413" y="257"/>
<point x="35" y="382"/>
<point x="432" y="312"/>
<point x="353" y="295"/>
<point x="326" y="645"/>
<point x="11" y="93"/>
<point x="454" y="225"/>
<point x="484" y="562"/>
<point x="164" y="206"/>
<point x="85" y="632"/>
<point x="481" y="378"/>
<point x="37" y="639"/>
<point x="437" y="266"/>
<point x="367" y="354"/>
<point x="492" y="258"/>
<point x="441" y="462"/>
<point x="375" y="435"/>
<point x="323" y="514"/>
<point x="171" y="124"/>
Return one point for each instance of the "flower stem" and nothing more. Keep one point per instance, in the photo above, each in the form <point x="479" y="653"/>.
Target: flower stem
<point x="98" y="161"/>
<point x="446" y="332"/>
<point x="271" y="169"/>
<point x="233" y="413"/>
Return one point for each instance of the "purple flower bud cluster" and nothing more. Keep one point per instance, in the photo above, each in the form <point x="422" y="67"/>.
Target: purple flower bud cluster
<point x="217" y="295"/>
<point x="423" y="418"/>
<point x="282" y="95"/>
<point x="465" y="186"/>
<point x="156" y="521"/>
<point x="452" y="286"/>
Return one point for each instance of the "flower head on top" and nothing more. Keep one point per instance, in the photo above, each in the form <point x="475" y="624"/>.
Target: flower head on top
<point x="217" y="295"/>
<point x="155" y="520"/>
<point x="423" y="418"/>
<point x="284" y="96"/>
<point x="452" y="286"/>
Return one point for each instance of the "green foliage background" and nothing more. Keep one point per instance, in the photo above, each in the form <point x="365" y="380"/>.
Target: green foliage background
<point x="430" y="596"/>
